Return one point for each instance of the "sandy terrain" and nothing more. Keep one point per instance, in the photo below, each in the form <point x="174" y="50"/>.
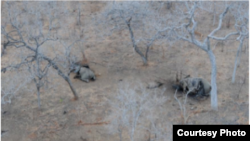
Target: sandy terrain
<point x="87" y="119"/>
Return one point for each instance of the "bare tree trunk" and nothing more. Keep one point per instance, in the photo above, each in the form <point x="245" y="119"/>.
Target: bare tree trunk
<point x="144" y="59"/>
<point x="214" y="100"/>
<point x="147" y="50"/>
<point x="66" y="78"/>
<point x="71" y="87"/>
<point x="236" y="59"/>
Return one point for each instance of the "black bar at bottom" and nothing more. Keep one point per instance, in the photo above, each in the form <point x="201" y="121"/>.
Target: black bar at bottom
<point x="214" y="132"/>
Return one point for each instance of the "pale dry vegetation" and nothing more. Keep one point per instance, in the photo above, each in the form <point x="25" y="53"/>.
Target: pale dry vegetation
<point x="135" y="49"/>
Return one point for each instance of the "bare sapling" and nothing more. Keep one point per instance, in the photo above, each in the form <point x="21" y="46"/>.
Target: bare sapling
<point x="131" y="102"/>
<point x="241" y="25"/>
<point x="182" y="106"/>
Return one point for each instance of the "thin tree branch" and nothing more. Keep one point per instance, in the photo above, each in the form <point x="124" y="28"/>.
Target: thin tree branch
<point x="222" y="15"/>
<point x="223" y="38"/>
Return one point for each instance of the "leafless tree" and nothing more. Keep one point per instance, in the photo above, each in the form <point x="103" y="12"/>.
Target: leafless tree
<point x="179" y="25"/>
<point x="38" y="75"/>
<point x="29" y="37"/>
<point x="186" y="31"/>
<point x="130" y="103"/>
<point x="241" y="15"/>
<point x="138" y="18"/>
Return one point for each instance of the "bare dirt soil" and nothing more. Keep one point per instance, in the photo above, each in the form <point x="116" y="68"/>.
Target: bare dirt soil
<point x="61" y="118"/>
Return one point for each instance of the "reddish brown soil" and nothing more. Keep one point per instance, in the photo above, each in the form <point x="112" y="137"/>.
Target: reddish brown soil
<point x="114" y="59"/>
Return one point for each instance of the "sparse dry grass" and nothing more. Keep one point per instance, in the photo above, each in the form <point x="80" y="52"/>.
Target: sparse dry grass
<point x="61" y="118"/>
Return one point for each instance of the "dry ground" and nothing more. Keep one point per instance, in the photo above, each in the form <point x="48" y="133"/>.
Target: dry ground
<point x="61" y="118"/>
